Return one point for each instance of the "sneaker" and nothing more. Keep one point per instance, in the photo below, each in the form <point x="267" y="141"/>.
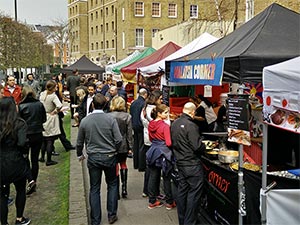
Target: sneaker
<point x="55" y="153"/>
<point x="112" y="219"/>
<point x="144" y="195"/>
<point x="170" y="206"/>
<point x="156" y="204"/>
<point x="31" y="188"/>
<point x="24" y="221"/>
<point x="50" y="163"/>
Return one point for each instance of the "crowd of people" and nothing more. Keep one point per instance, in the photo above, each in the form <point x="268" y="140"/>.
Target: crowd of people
<point x="110" y="130"/>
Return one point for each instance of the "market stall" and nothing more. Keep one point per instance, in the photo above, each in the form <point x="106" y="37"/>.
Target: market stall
<point x="109" y="68"/>
<point x="158" y="68"/>
<point x="129" y="72"/>
<point x="270" y="37"/>
<point x="282" y="111"/>
<point x="84" y="66"/>
<point x="240" y="58"/>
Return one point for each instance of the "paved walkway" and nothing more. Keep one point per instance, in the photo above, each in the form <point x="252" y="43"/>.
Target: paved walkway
<point x="132" y="211"/>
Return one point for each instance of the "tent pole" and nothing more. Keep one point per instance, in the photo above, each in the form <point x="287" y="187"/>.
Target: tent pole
<point x="241" y="188"/>
<point x="264" y="176"/>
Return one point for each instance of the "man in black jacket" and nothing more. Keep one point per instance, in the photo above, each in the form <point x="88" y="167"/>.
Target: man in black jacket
<point x="73" y="81"/>
<point x="187" y="145"/>
<point x="137" y="126"/>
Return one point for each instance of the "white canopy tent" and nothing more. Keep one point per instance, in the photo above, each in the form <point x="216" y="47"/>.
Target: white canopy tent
<point x="281" y="91"/>
<point x="202" y="41"/>
<point x="109" y="68"/>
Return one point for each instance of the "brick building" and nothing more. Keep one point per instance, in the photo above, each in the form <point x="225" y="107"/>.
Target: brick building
<point x="109" y="30"/>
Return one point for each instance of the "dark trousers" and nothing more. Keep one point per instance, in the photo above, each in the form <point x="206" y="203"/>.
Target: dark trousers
<point x="168" y="188"/>
<point x="20" y="187"/>
<point x="35" y="144"/>
<point x="189" y="192"/>
<point x="153" y="183"/>
<point x="142" y="158"/>
<point x="146" y="174"/>
<point x="48" y="147"/>
<point x="62" y="137"/>
<point x="73" y="101"/>
<point x="111" y="179"/>
<point x="138" y="143"/>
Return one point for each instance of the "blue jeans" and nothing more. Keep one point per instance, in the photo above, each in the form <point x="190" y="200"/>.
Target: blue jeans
<point x="95" y="172"/>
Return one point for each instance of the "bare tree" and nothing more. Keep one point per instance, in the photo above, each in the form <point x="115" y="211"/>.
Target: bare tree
<point x="60" y="35"/>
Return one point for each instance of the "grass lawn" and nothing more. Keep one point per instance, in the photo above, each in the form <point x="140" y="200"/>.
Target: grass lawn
<point x="50" y="204"/>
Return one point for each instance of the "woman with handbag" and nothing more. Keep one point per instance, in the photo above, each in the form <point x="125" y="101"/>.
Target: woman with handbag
<point x="118" y="111"/>
<point x="51" y="131"/>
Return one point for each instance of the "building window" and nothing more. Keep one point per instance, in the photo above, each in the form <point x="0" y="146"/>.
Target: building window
<point x="97" y="30"/>
<point x="112" y="25"/>
<point x="96" y="14"/>
<point x="172" y="10"/>
<point x="123" y="40"/>
<point x="97" y="46"/>
<point x="91" y="3"/>
<point x="106" y="11"/>
<point x="113" y="43"/>
<point x="155" y="9"/>
<point x="92" y="31"/>
<point x="123" y="14"/>
<point x="92" y="46"/>
<point x="139" y="37"/>
<point x="107" y="44"/>
<point x="91" y="16"/>
<point x="106" y="25"/>
<point x="76" y="9"/>
<point x="112" y="10"/>
<point x="154" y="31"/>
<point x="101" y="13"/>
<point x="102" y="45"/>
<point x="139" y="9"/>
<point x="193" y="11"/>
<point x="101" y="28"/>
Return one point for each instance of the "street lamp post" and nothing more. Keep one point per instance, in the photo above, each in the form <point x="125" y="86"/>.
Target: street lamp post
<point x="16" y="11"/>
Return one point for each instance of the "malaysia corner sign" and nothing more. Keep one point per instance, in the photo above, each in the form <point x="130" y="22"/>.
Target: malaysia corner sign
<point x="199" y="71"/>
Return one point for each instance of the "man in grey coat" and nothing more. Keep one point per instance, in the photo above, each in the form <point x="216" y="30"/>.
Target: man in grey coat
<point x="34" y="84"/>
<point x="100" y="133"/>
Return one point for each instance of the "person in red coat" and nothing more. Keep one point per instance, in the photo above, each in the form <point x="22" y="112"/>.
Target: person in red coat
<point x="159" y="157"/>
<point x="12" y="89"/>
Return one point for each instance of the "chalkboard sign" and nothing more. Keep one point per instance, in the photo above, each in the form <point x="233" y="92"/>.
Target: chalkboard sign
<point x="166" y="94"/>
<point x="238" y="119"/>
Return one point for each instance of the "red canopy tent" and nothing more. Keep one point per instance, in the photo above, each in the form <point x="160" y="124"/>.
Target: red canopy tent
<point x="129" y="72"/>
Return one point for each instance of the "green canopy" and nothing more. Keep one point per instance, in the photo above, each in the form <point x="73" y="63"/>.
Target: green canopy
<point x="146" y="52"/>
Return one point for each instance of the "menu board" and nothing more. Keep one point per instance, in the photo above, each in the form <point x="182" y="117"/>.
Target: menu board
<point x="166" y="94"/>
<point x="238" y="119"/>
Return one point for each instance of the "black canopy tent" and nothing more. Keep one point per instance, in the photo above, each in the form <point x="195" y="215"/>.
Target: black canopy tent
<point x="84" y="65"/>
<point x="269" y="38"/>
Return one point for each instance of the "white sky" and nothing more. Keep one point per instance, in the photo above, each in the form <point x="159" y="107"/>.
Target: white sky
<point x="42" y="12"/>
